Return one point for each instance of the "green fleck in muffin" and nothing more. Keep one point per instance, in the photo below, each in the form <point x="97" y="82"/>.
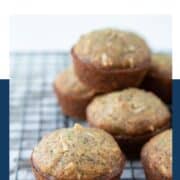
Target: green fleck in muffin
<point x="78" y="154"/>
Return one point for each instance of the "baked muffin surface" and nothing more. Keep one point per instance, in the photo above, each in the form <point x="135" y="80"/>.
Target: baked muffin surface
<point x="161" y="64"/>
<point x="129" y="112"/>
<point x="68" y="83"/>
<point x="157" y="156"/>
<point x="112" y="48"/>
<point x="78" y="153"/>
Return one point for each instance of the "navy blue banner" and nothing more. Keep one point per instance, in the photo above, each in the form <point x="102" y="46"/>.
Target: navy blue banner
<point x="176" y="129"/>
<point x="4" y="129"/>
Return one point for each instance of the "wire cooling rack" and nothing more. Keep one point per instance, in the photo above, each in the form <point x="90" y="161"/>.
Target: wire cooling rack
<point x="34" y="110"/>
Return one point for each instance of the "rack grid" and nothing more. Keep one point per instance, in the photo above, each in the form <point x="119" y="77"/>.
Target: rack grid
<point x="34" y="110"/>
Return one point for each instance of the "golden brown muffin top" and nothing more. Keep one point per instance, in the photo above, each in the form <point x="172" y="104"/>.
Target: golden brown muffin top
<point x="158" y="153"/>
<point x="161" y="64"/>
<point x="68" y="83"/>
<point x="112" y="48"/>
<point x="128" y="112"/>
<point x="78" y="153"/>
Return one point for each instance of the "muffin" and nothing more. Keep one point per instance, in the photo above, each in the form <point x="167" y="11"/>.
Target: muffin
<point x="132" y="116"/>
<point x="111" y="59"/>
<point x="73" y="96"/>
<point x="77" y="154"/>
<point x="159" y="77"/>
<point x="156" y="157"/>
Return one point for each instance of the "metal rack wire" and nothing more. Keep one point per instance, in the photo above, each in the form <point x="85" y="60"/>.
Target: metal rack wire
<point x="34" y="110"/>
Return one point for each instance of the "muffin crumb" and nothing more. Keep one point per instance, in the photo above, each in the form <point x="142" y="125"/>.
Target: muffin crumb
<point x="78" y="127"/>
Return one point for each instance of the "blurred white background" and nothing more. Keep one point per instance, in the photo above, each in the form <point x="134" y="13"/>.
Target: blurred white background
<point x="59" y="33"/>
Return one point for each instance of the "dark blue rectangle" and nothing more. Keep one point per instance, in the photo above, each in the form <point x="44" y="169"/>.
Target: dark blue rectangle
<point x="176" y="129"/>
<point x="4" y="129"/>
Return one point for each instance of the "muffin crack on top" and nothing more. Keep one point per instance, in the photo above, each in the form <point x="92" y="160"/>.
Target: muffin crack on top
<point x="78" y="153"/>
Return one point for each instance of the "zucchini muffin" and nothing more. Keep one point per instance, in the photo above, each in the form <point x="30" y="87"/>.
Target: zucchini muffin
<point x="159" y="77"/>
<point x="77" y="154"/>
<point x="111" y="59"/>
<point x="132" y="116"/>
<point x="156" y="157"/>
<point x="73" y="96"/>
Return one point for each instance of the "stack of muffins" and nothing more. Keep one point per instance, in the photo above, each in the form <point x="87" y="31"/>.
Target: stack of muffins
<point x="120" y="88"/>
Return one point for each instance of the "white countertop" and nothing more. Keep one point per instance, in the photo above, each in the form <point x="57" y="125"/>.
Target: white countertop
<point x="53" y="33"/>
